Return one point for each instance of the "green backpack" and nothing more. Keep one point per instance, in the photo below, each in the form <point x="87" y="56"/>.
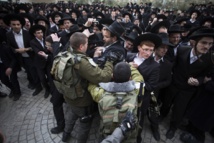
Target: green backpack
<point x="66" y="79"/>
<point x="113" y="108"/>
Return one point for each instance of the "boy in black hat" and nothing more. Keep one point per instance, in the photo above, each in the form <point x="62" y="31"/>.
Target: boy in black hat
<point x="43" y="64"/>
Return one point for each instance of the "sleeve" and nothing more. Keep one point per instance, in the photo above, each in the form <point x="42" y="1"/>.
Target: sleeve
<point x="34" y="47"/>
<point x="95" y="91"/>
<point x="93" y="73"/>
<point x="152" y="81"/>
<point x="135" y="75"/>
<point x="115" y="137"/>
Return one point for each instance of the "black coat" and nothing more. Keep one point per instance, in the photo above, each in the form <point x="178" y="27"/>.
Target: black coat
<point x="201" y="113"/>
<point x="39" y="61"/>
<point x="116" y="47"/>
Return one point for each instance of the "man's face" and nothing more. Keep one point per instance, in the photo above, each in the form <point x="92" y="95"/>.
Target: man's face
<point x="174" y="38"/>
<point x="27" y="24"/>
<point x="145" y="51"/>
<point x="204" y="44"/>
<point x="67" y="24"/>
<point x="73" y="15"/>
<point x="41" y="22"/>
<point x="161" y="51"/>
<point x="39" y="34"/>
<point x="16" y="26"/>
<point x="57" y="18"/>
<point x="194" y="15"/>
<point x="108" y="40"/>
<point x="126" y="18"/>
<point x="129" y="45"/>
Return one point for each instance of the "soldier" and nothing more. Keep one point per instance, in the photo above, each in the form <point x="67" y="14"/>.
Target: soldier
<point x="88" y="71"/>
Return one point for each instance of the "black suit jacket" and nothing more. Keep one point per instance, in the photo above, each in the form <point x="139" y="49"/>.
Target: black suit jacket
<point x="40" y="62"/>
<point x="149" y="69"/>
<point x="13" y="45"/>
<point x="183" y="70"/>
<point x="116" y="47"/>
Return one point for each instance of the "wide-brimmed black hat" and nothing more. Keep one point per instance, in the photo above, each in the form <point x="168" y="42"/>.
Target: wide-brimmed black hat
<point x="186" y="27"/>
<point x="165" y="39"/>
<point x="211" y="19"/>
<point x="180" y="19"/>
<point x="7" y="18"/>
<point x="67" y="18"/>
<point x="35" y="28"/>
<point x="116" y="28"/>
<point x="131" y="36"/>
<point x="106" y="21"/>
<point x="154" y="38"/>
<point x="98" y="15"/>
<point x="42" y="18"/>
<point x="157" y="25"/>
<point x="127" y="13"/>
<point x="54" y="14"/>
<point x="75" y="11"/>
<point x="19" y="7"/>
<point x="202" y="32"/>
<point x="161" y="16"/>
<point x="175" y="29"/>
<point x="25" y="15"/>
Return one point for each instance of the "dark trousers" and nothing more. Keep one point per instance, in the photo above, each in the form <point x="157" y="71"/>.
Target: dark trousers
<point x="45" y="76"/>
<point x="32" y="75"/>
<point x="57" y="100"/>
<point x="15" y="83"/>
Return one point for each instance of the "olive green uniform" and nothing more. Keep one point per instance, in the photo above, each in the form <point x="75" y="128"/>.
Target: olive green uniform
<point x="75" y="109"/>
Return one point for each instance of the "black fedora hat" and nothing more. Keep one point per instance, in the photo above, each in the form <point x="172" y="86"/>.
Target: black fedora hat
<point x="67" y="17"/>
<point x="98" y="15"/>
<point x="202" y="32"/>
<point x="154" y="38"/>
<point x="42" y="18"/>
<point x="131" y="36"/>
<point x="175" y="29"/>
<point x="116" y="28"/>
<point x="186" y="27"/>
<point x="180" y="19"/>
<point x="25" y="15"/>
<point x="54" y="14"/>
<point x="106" y="21"/>
<point x="165" y="39"/>
<point x="210" y="19"/>
<point x="9" y="17"/>
<point x="127" y="13"/>
<point x="35" y="28"/>
<point x="157" y="25"/>
<point x="21" y="6"/>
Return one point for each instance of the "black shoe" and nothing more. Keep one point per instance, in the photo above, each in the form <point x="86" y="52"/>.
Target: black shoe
<point x="31" y="86"/>
<point x="156" y="134"/>
<point x="11" y="94"/>
<point x="37" y="91"/>
<point x="2" y="94"/>
<point x="170" y="133"/>
<point x="65" y="136"/>
<point x="188" y="138"/>
<point x="16" y="97"/>
<point x="57" y="130"/>
<point x="46" y="93"/>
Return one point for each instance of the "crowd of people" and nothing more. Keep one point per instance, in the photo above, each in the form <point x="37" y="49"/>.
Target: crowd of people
<point x="170" y="51"/>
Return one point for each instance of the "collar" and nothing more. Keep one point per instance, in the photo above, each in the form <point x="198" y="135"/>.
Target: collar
<point x="20" y="32"/>
<point x="192" y="55"/>
<point x="111" y="44"/>
<point x="39" y="39"/>
<point x="118" y="87"/>
<point x="158" y="61"/>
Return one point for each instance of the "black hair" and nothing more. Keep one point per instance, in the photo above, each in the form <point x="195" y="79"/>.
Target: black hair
<point x="121" y="72"/>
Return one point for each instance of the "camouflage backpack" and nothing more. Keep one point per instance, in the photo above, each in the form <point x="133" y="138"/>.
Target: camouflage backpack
<point x="113" y="108"/>
<point x="66" y="79"/>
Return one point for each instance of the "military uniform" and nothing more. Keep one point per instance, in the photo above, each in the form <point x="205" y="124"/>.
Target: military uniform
<point x="112" y="87"/>
<point x="80" y="107"/>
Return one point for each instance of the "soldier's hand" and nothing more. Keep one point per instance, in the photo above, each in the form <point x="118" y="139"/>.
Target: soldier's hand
<point x="115" y="57"/>
<point x="128" y="123"/>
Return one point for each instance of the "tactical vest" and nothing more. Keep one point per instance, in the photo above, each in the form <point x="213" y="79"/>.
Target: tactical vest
<point x="113" y="108"/>
<point x="66" y="78"/>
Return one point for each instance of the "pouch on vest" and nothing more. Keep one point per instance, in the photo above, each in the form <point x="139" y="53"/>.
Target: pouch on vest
<point x="113" y="108"/>
<point x="66" y="79"/>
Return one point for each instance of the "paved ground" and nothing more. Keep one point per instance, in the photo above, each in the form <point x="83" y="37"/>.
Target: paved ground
<point x="30" y="119"/>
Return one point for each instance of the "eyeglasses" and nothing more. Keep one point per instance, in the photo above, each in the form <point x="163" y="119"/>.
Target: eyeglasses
<point x="206" y="43"/>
